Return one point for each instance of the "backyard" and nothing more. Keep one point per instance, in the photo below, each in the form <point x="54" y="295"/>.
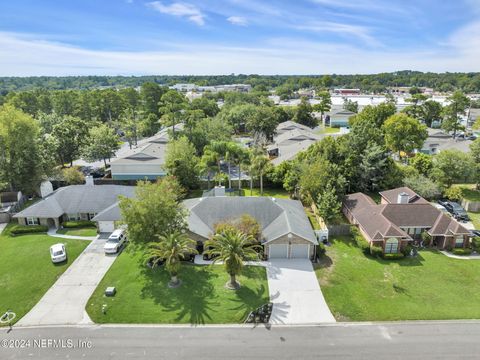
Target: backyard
<point x="26" y="271"/>
<point x="429" y="286"/>
<point x="144" y="297"/>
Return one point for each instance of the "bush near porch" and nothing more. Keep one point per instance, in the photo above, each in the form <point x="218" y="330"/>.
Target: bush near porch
<point x="144" y="297"/>
<point x="427" y="287"/>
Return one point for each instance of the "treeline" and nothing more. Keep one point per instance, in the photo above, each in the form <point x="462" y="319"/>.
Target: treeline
<point x="374" y="83"/>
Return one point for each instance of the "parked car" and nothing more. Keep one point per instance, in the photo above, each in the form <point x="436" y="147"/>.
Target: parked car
<point x="471" y="137"/>
<point x="115" y="242"/>
<point x="58" y="253"/>
<point x="457" y="211"/>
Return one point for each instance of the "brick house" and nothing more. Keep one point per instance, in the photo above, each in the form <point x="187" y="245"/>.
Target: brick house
<point x="400" y="219"/>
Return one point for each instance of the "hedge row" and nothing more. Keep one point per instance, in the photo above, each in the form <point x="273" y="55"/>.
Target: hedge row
<point x="27" y="229"/>
<point x="78" y="224"/>
<point x="462" y="251"/>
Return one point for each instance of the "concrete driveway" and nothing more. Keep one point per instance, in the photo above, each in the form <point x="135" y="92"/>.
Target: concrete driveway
<point x="64" y="303"/>
<point x="295" y="293"/>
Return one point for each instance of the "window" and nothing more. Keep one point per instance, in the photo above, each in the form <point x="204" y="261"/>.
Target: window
<point x="91" y="216"/>
<point x="32" y="221"/>
<point x="73" y="217"/>
<point x="391" y="246"/>
<point x="459" y="242"/>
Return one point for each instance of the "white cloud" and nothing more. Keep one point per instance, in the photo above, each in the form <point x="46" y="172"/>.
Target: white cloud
<point x="28" y="56"/>
<point x="237" y="20"/>
<point x="347" y="30"/>
<point x="189" y="11"/>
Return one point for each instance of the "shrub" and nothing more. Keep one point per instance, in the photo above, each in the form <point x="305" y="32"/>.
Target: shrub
<point x="406" y="250"/>
<point x="78" y="224"/>
<point x="27" y="229"/>
<point x="462" y="251"/>
<point x="321" y="249"/>
<point x="476" y="243"/>
<point x="393" y="256"/>
<point x="427" y="238"/>
<point x="73" y="176"/>
<point x="376" y="251"/>
<point x="360" y="240"/>
<point x="453" y="193"/>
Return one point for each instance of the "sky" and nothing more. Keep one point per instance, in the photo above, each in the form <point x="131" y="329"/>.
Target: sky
<point x="213" y="37"/>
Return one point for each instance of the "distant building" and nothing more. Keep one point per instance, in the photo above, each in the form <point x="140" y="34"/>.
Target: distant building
<point x="347" y="91"/>
<point x="338" y="118"/>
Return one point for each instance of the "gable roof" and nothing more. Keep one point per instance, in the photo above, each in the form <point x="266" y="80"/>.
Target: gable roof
<point x="391" y="196"/>
<point x="387" y="219"/>
<point x="75" y="199"/>
<point x="291" y="125"/>
<point x="276" y="217"/>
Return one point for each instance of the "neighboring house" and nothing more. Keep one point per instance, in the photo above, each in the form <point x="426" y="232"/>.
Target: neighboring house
<point x="439" y="140"/>
<point x="291" y="139"/>
<point x="146" y="162"/>
<point x="286" y="230"/>
<point x="401" y="218"/>
<point x="9" y="202"/>
<point x="338" y="118"/>
<point x="75" y="202"/>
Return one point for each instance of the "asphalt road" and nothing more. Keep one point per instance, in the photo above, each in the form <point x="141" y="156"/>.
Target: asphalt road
<point x="434" y="340"/>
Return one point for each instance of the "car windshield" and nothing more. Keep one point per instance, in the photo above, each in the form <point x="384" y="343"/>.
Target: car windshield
<point x="457" y="207"/>
<point x="113" y="240"/>
<point x="57" y="252"/>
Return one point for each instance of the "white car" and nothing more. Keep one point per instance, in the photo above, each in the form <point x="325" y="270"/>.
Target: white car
<point x="58" y="253"/>
<point x="115" y="241"/>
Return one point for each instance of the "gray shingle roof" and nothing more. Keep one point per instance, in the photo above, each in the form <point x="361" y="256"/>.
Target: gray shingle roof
<point x="276" y="217"/>
<point x="77" y="199"/>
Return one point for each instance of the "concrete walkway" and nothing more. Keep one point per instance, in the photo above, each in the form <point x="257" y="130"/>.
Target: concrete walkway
<point x="295" y="293"/>
<point x="3" y="226"/>
<point x="64" y="303"/>
<point x="461" y="257"/>
<point x="53" y="232"/>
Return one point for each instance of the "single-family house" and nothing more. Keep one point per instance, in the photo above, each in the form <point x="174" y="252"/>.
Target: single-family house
<point x="285" y="229"/>
<point x="400" y="219"/>
<point x="75" y="202"/>
<point x="338" y="118"/>
<point x="438" y="141"/>
<point x="146" y="162"/>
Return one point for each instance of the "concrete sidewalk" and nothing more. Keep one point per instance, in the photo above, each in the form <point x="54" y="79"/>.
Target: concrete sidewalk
<point x="295" y="293"/>
<point x="64" y="303"/>
<point x="53" y="233"/>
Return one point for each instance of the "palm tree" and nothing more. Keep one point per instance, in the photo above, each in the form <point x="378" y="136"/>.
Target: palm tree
<point x="259" y="166"/>
<point x="172" y="248"/>
<point x="232" y="247"/>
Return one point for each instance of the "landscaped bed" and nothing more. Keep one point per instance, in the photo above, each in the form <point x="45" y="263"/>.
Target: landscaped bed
<point x="144" y="297"/>
<point x="429" y="286"/>
<point x="26" y="271"/>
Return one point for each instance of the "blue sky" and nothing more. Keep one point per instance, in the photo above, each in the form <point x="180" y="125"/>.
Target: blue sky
<point x="136" y="37"/>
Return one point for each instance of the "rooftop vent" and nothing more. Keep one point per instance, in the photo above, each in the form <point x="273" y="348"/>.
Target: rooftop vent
<point x="403" y="198"/>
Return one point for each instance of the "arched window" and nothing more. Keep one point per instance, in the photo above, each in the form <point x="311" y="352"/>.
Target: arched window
<point x="391" y="246"/>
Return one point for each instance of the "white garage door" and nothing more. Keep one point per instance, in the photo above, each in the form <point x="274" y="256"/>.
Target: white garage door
<point x="106" y="226"/>
<point x="299" y="251"/>
<point x="278" y="251"/>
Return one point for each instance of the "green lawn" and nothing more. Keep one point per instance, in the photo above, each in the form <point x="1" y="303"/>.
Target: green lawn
<point x="328" y="130"/>
<point x="431" y="286"/>
<point x="475" y="217"/>
<point x="144" y="297"/>
<point x="88" y="231"/>
<point x="278" y="193"/>
<point x="469" y="192"/>
<point x="26" y="271"/>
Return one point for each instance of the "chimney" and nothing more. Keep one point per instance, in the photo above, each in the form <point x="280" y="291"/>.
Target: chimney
<point x="403" y="198"/>
<point x="89" y="180"/>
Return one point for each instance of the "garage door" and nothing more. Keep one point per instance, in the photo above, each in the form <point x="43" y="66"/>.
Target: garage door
<point x="278" y="251"/>
<point x="299" y="251"/>
<point x="106" y="226"/>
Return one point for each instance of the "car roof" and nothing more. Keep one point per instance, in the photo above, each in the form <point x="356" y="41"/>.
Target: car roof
<point x="117" y="232"/>
<point x="57" y="246"/>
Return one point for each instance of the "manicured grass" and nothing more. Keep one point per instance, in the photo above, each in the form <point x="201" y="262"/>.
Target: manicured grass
<point x="328" y="130"/>
<point x="278" y="193"/>
<point x="430" y="286"/>
<point x="469" y="192"/>
<point x="475" y="217"/>
<point x="87" y="231"/>
<point x="26" y="271"/>
<point x="144" y="297"/>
